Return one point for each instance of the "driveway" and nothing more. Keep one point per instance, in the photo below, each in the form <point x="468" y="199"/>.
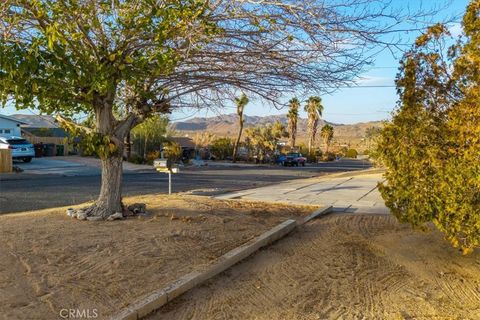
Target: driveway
<point x="349" y="192"/>
<point x="54" y="165"/>
<point x="73" y="166"/>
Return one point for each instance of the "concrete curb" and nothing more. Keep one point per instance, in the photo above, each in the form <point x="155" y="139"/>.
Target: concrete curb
<point x="157" y="299"/>
<point x="318" y="213"/>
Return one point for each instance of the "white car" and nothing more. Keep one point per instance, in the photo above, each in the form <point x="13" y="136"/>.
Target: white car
<point x="21" y="148"/>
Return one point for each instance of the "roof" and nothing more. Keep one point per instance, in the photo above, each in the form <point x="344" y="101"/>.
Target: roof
<point x="46" y="132"/>
<point x="184" y="142"/>
<point x="11" y="119"/>
<point x="36" y="121"/>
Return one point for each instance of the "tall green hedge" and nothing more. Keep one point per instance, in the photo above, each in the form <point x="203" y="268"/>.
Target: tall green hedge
<point x="431" y="147"/>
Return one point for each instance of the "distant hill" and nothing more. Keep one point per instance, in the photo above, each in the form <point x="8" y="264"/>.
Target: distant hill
<point x="227" y="126"/>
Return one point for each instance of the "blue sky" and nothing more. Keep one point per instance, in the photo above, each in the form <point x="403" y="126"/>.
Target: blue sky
<point x="350" y="105"/>
<point x="359" y="104"/>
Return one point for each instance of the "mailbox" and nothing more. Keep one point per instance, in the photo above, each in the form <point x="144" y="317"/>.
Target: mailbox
<point x="166" y="166"/>
<point x="162" y="163"/>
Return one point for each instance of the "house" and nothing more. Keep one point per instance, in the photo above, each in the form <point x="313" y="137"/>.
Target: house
<point x="43" y="129"/>
<point x="184" y="142"/>
<point x="40" y="126"/>
<point x="10" y="126"/>
<point x="188" y="146"/>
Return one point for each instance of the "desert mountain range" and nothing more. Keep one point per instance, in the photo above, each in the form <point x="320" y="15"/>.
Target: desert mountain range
<point x="227" y="126"/>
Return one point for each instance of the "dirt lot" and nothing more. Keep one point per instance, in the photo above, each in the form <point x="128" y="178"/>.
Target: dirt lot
<point x="343" y="267"/>
<point x="50" y="262"/>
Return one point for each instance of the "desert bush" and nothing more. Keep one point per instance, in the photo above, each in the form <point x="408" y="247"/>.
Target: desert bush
<point x="172" y="150"/>
<point x="262" y="141"/>
<point x="152" y="156"/>
<point x="221" y="148"/>
<point x="329" y="156"/>
<point x="351" y="153"/>
<point x="137" y="159"/>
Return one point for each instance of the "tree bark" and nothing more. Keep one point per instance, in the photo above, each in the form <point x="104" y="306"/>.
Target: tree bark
<point x="110" y="199"/>
<point x="235" y="147"/>
<point x="128" y="146"/>
<point x="145" y="143"/>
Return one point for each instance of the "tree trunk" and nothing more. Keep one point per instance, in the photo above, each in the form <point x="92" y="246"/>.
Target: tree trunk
<point x="235" y="147"/>
<point x="110" y="199"/>
<point x="128" y="146"/>
<point x="145" y="148"/>
<point x="311" y="141"/>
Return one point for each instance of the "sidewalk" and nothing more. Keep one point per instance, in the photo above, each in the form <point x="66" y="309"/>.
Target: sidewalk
<point x="354" y="192"/>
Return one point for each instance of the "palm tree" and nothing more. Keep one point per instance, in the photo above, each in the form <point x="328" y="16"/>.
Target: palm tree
<point x="241" y="102"/>
<point x="327" y="135"/>
<point x="314" y="109"/>
<point x="293" y="106"/>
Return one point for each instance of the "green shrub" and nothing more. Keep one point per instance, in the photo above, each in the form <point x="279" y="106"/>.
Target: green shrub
<point x="329" y="156"/>
<point x="351" y="153"/>
<point x="222" y="148"/>
<point x="135" y="158"/>
<point x="431" y="147"/>
<point x="152" y="156"/>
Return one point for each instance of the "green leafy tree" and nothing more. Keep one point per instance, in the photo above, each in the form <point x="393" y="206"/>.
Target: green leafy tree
<point x="67" y="57"/>
<point x="241" y="102"/>
<point x="222" y="148"/>
<point x="327" y="135"/>
<point x="314" y="109"/>
<point x="149" y="135"/>
<point x="431" y="148"/>
<point x="264" y="139"/>
<point x="123" y="61"/>
<point x="292" y="115"/>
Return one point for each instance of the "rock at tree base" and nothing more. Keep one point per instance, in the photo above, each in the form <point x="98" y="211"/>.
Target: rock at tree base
<point x="94" y="218"/>
<point x="138" y="208"/>
<point x="81" y="214"/>
<point x="115" y="216"/>
<point x="71" y="213"/>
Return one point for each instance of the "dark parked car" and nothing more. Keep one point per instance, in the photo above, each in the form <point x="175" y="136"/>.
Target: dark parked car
<point x="294" y="159"/>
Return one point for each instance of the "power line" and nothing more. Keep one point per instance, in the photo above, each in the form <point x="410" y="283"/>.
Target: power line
<point x="366" y="86"/>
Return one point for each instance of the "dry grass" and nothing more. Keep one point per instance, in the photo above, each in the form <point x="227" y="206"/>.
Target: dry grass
<point x="50" y="262"/>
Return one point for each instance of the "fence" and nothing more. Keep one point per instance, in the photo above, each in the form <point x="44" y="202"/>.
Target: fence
<point x="55" y="140"/>
<point x="5" y="160"/>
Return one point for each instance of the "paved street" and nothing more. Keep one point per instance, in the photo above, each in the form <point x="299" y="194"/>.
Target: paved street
<point x="46" y="184"/>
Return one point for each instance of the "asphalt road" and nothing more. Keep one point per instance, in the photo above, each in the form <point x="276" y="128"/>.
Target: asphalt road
<point x="24" y="192"/>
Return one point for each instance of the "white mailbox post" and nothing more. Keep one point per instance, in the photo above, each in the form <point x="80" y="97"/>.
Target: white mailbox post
<point x="166" y="166"/>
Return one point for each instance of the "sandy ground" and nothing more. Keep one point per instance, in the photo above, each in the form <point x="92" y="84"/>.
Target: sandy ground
<point x="342" y="267"/>
<point x="50" y="262"/>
